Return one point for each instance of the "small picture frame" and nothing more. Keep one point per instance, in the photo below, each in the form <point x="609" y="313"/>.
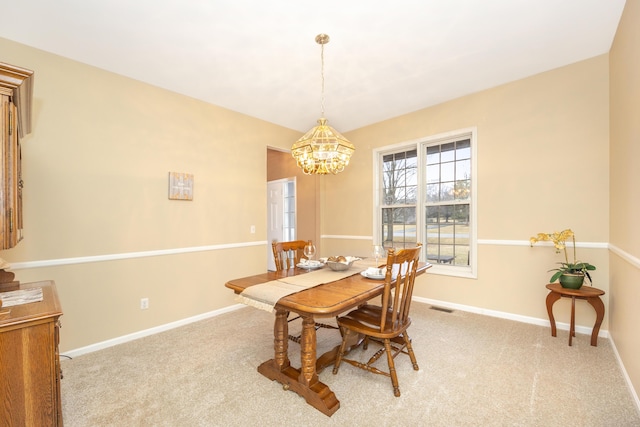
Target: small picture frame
<point x="180" y="186"/>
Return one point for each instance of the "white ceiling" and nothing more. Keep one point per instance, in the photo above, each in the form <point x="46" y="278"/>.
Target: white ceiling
<point x="260" y="58"/>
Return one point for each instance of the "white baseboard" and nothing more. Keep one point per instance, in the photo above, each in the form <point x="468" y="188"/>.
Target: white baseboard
<point x="140" y="334"/>
<point x="510" y="316"/>
<point x="130" y="337"/>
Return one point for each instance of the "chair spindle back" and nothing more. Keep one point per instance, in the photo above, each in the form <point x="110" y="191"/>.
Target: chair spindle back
<point x="287" y="254"/>
<point x="398" y="287"/>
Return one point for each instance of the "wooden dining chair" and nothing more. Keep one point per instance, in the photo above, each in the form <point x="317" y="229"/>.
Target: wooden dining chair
<point x="387" y="323"/>
<point x="287" y="254"/>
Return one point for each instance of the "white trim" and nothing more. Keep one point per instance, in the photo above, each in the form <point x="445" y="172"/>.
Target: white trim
<point x="494" y="242"/>
<point x="162" y="328"/>
<point x="590" y="245"/>
<point x="509" y="316"/>
<point x="337" y="236"/>
<point x="151" y="331"/>
<point x="130" y="255"/>
<point x="625" y="255"/>
<point x="376" y="158"/>
<point x="474" y="206"/>
<point x="509" y="242"/>
<point x="281" y="237"/>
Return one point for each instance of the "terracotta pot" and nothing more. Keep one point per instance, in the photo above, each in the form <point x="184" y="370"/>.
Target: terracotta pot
<point x="572" y="280"/>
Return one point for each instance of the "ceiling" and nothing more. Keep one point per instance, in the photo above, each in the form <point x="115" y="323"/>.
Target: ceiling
<point x="260" y="58"/>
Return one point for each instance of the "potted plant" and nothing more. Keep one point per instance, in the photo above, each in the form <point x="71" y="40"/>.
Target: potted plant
<point x="570" y="274"/>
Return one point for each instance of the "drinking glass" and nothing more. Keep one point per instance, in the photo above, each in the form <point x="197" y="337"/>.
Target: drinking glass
<point x="309" y="252"/>
<point x="378" y="252"/>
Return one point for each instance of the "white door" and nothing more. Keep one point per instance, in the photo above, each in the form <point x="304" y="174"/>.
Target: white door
<point x="281" y="214"/>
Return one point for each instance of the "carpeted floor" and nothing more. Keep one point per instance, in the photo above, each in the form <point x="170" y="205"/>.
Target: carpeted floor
<point x="475" y="371"/>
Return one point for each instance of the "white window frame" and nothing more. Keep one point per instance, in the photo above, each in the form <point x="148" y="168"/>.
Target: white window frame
<point x="420" y="145"/>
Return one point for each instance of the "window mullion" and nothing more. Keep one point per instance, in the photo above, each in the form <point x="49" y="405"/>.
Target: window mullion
<point x="421" y="199"/>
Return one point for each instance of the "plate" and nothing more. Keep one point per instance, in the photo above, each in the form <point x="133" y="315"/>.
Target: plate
<point x="372" y="276"/>
<point x="309" y="267"/>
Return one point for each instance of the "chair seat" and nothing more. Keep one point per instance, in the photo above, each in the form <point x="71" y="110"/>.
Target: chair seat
<point x="369" y="311"/>
<point x="366" y="320"/>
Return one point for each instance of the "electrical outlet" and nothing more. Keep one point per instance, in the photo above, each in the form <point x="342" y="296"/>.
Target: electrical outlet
<point x="253" y="229"/>
<point x="144" y="303"/>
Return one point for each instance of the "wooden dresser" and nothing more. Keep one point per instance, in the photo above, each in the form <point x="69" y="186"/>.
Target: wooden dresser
<point x="29" y="361"/>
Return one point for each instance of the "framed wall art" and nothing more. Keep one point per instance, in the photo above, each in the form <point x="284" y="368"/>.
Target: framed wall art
<point x="180" y="186"/>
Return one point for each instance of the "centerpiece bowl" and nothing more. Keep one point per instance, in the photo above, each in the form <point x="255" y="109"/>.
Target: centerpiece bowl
<point x="341" y="263"/>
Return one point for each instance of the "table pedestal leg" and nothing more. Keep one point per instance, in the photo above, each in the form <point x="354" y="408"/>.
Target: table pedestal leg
<point x="280" y="339"/>
<point x="308" y="375"/>
<point x="303" y="381"/>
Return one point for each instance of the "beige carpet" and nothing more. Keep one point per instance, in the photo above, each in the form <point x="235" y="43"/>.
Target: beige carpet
<point x="475" y="371"/>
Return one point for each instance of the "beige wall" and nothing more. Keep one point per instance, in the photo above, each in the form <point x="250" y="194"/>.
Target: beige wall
<point x="624" y="194"/>
<point x="542" y="166"/>
<point x="95" y="170"/>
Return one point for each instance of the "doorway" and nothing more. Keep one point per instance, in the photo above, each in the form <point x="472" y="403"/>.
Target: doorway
<point x="281" y="214"/>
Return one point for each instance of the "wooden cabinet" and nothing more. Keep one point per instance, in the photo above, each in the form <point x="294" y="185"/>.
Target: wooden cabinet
<point x="30" y="362"/>
<point x="16" y="94"/>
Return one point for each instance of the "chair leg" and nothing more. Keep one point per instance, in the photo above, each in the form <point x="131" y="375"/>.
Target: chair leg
<point x="392" y="368"/>
<point x="343" y="344"/>
<point x="412" y="356"/>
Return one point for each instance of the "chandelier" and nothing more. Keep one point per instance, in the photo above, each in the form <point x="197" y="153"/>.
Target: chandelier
<point x="322" y="150"/>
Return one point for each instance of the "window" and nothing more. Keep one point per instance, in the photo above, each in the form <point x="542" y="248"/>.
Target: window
<point x="426" y="194"/>
<point x="400" y="192"/>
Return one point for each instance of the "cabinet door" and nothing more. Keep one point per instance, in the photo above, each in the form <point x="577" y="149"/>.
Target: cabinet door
<point x="11" y="185"/>
<point x="16" y="95"/>
<point x="28" y="376"/>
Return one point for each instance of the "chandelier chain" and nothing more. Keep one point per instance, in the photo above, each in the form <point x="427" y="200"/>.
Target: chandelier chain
<point x="322" y="77"/>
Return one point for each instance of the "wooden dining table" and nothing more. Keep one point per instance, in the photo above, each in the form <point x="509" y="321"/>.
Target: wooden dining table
<point x="322" y="301"/>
